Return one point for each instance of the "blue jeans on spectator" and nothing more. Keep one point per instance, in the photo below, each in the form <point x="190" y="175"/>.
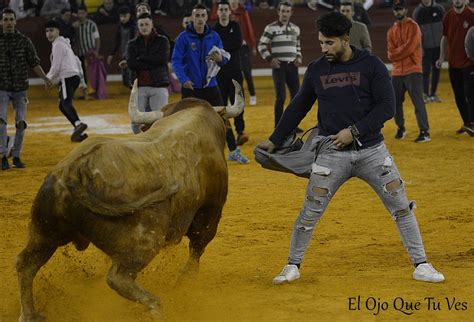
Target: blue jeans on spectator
<point x="20" y="102"/>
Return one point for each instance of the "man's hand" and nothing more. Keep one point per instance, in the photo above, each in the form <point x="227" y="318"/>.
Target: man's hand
<point x="188" y="84"/>
<point x="48" y="83"/>
<point x="275" y="63"/>
<point x="109" y="59"/>
<point x="123" y="64"/>
<point x="216" y="56"/>
<point x="343" y="138"/>
<point x="439" y="63"/>
<point x="298" y="61"/>
<point x="267" y="145"/>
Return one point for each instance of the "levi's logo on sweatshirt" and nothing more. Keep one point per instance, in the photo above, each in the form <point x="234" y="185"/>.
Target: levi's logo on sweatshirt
<point x="341" y="80"/>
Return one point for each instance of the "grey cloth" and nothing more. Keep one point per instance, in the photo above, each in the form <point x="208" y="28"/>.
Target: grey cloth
<point x="413" y="83"/>
<point x="469" y="43"/>
<point x="333" y="168"/>
<point x="19" y="101"/>
<point x="296" y="162"/>
<point x="430" y="20"/>
<point x="359" y="36"/>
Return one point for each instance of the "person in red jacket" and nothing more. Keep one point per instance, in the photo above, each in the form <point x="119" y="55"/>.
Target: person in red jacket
<point x="404" y="51"/>
<point x="456" y="23"/>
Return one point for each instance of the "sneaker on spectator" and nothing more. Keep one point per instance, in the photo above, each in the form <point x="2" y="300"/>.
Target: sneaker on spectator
<point x="241" y="139"/>
<point x="237" y="156"/>
<point x="17" y="163"/>
<point x="469" y="129"/>
<point x="5" y="165"/>
<point x="426" y="98"/>
<point x="253" y="100"/>
<point x="424" y="136"/>
<point x="435" y="98"/>
<point x="289" y="274"/>
<point x="426" y="273"/>
<point x="400" y="133"/>
<point x="78" y="131"/>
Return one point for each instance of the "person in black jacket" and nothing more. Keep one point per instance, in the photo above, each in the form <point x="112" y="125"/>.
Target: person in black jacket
<point x="125" y="32"/>
<point x="147" y="58"/>
<point x="65" y="26"/>
<point x="355" y="98"/>
<point x="231" y="36"/>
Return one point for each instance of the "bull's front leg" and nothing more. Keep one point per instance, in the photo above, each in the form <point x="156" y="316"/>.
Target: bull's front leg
<point x="28" y="262"/>
<point x="122" y="280"/>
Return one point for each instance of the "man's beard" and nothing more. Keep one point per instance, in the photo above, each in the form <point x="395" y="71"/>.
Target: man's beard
<point x="401" y="17"/>
<point x="336" y="57"/>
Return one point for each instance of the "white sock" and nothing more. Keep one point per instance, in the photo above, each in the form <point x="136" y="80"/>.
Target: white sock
<point x="77" y="123"/>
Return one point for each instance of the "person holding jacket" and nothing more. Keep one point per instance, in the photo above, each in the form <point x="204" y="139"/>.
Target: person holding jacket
<point x="147" y="58"/>
<point x="355" y="99"/>
<point x="429" y="16"/>
<point x="194" y="54"/>
<point x="404" y="51"/>
<point x="66" y="71"/>
<point x="231" y="36"/>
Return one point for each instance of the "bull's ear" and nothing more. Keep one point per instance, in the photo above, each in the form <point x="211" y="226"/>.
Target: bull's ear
<point x="136" y="116"/>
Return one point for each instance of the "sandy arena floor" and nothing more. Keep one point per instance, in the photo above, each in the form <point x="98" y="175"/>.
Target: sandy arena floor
<point x="356" y="250"/>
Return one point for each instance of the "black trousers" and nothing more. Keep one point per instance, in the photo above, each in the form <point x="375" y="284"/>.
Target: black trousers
<point x="66" y="93"/>
<point x="245" y="54"/>
<point x="430" y="55"/>
<point x="462" y="82"/>
<point x="224" y="79"/>
<point x="213" y="96"/>
<point x="286" y="74"/>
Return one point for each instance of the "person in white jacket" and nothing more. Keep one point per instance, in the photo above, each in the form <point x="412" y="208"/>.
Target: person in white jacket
<point x="66" y="72"/>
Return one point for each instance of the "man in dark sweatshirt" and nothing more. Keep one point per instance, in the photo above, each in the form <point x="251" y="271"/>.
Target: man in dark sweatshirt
<point x="231" y="36"/>
<point x="355" y="98"/>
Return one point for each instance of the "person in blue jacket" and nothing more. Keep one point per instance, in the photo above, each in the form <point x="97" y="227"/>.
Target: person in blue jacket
<point x="355" y="98"/>
<point x="195" y="59"/>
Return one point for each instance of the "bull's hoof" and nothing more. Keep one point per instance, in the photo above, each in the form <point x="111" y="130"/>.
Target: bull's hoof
<point x="31" y="318"/>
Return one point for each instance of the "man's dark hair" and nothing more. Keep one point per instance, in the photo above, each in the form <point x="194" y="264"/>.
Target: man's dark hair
<point x="334" y="24"/>
<point x="82" y="6"/>
<point x="223" y="2"/>
<point x="52" y="24"/>
<point x="144" y="16"/>
<point x="143" y="4"/>
<point x="8" y="11"/>
<point x="347" y="3"/>
<point x="285" y="3"/>
<point x="124" y="10"/>
<point x="64" y="10"/>
<point x="200" y="6"/>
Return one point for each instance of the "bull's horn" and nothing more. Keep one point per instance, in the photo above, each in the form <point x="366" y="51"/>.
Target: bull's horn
<point x="136" y="116"/>
<point x="238" y="106"/>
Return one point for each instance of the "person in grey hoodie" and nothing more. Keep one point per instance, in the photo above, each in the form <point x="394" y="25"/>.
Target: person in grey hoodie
<point x="429" y="16"/>
<point x="66" y="71"/>
<point x="355" y="99"/>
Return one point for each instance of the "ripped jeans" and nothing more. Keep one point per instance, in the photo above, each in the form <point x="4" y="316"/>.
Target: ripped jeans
<point x="374" y="165"/>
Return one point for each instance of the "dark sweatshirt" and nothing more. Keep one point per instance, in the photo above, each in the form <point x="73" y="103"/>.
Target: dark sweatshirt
<point x="358" y="92"/>
<point x="231" y="36"/>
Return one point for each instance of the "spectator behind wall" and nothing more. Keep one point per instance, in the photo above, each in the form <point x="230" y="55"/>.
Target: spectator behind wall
<point x="65" y="26"/>
<point x="106" y="13"/>
<point x="53" y="8"/>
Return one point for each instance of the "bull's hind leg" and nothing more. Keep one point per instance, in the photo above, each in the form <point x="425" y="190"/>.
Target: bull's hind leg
<point x="28" y="262"/>
<point x="200" y="233"/>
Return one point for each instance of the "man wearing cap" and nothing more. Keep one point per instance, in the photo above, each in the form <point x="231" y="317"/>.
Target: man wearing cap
<point x="405" y="53"/>
<point x="66" y="71"/>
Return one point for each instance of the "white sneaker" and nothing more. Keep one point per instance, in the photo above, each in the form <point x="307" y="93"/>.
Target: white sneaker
<point x="426" y="273"/>
<point x="253" y="100"/>
<point x="289" y="274"/>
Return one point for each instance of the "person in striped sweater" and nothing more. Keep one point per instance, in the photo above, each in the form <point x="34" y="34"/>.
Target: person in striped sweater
<point x="280" y="45"/>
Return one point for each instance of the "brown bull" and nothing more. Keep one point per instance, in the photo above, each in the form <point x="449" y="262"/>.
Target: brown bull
<point x="131" y="197"/>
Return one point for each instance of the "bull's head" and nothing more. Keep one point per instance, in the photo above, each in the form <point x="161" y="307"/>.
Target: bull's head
<point x="138" y="117"/>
